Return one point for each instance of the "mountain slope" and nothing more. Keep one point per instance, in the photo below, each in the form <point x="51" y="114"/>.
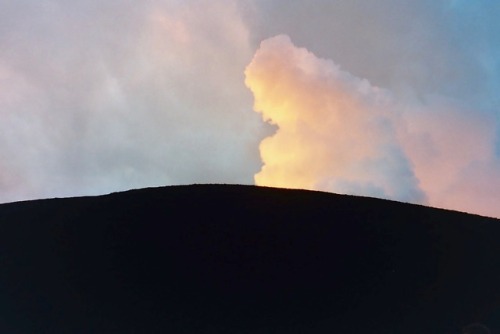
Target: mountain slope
<point x="243" y="259"/>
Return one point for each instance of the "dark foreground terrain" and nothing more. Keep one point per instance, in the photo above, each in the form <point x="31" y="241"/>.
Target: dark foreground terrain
<point x="241" y="259"/>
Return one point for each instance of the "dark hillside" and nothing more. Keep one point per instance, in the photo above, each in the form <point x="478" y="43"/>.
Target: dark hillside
<point x="242" y="259"/>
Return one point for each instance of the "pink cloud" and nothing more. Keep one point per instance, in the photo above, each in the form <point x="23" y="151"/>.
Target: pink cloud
<point x="336" y="132"/>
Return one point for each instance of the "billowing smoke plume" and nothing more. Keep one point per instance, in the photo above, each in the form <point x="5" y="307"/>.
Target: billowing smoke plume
<point x="336" y="132"/>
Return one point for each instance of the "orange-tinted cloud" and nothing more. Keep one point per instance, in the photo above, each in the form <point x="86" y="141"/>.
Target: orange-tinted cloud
<point x="336" y="132"/>
<point x="333" y="129"/>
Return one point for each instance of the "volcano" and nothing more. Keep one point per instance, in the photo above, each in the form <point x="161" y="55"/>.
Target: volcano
<point x="245" y="259"/>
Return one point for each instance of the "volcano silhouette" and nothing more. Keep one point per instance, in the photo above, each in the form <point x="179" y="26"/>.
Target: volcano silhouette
<point x="244" y="259"/>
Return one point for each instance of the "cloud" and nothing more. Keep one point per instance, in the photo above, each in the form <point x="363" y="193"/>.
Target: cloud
<point x="339" y="133"/>
<point x="452" y="149"/>
<point x="102" y="96"/>
<point x="334" y="131"/>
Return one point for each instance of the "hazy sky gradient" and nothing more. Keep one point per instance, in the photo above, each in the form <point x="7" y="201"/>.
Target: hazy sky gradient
<point x="100" y="96"/>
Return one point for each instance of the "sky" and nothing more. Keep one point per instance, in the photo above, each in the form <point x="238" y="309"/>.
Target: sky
<point x="394" y="99"/>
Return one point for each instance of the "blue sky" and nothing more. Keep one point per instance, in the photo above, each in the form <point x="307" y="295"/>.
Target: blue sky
<point x="100" y="96"/>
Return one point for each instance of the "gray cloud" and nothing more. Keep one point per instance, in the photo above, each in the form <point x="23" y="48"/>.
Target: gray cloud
<point x="101" y="96"/>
